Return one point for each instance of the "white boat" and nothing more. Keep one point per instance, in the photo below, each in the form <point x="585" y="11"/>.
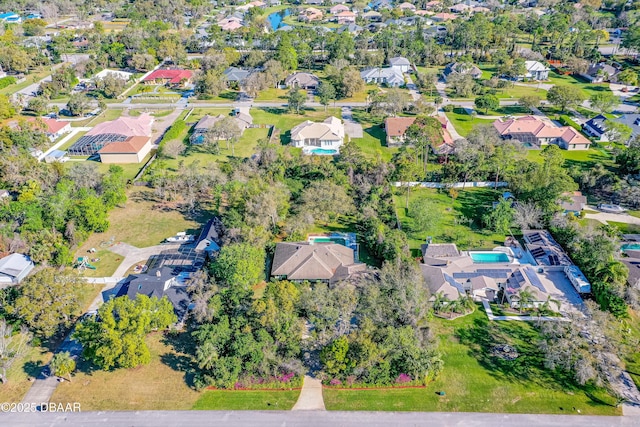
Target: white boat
<point x="611" y="208"/>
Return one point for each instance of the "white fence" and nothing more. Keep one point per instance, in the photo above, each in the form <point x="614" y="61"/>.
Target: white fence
<point x="480" y="184"/>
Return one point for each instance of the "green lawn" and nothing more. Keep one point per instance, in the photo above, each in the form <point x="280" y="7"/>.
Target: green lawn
<point x="160" y="385"/>
<point x="626" y="228"/>
<point x="247" y="400"/>
<point x="285" y="120"/>
<point x="106" y="115"/>
<point x="33" y="77"/>
<point x="109" y="262"/>
<point x="587" y="88"/>
<point x="373" y="143"/>
<point x="506" y="110"/>
<point x="584" y="159"/>
<point x="143" y="223"/>
<point x="475" y="381"/>
<point x="449" y="218"/>
<point x="24" y="367"/>
<point x="273" y="94"/>
<point x="463" y="122"/>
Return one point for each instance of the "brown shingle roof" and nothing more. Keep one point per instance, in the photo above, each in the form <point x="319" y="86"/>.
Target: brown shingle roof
<point x="320" y="261"/>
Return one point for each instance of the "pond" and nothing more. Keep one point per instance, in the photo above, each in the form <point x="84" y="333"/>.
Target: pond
<point x="276" y="18"/>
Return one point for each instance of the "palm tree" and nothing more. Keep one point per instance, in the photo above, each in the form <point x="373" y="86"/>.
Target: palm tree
<point x="440" y="301"/>
<point x="525" y="298"/>
<point x="546" y="307"/>
<point x="612" y="272"/>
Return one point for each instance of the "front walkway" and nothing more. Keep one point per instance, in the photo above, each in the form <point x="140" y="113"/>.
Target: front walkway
<point x="310" y="398"/>
<point x="491" y="316"/>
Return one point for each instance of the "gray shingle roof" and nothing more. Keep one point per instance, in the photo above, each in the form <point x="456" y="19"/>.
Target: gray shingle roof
<point x="320" y="261"/>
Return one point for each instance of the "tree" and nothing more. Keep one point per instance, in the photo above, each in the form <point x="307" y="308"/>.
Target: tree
<point x="62" y="364"/>
<point x="461" y="84"/>
<point x="209" y="84"/>
<point x="296" y="99"/>
<point x="115" y="338"/>
<point x="327" y="93"/>
<point x="487" y="102"/>
<point x="239" y="265"/>
<point x="530" y="102"/>
<point x="110" y="85"/>
<point x="421" y="211"/>
<point x="528" y="216"/>
<point x="603" y="101"/>
<point x="525" y="298"/>
<point x="225" y="129"/>
<point x="325" y="201"/>
<point x="501" y="217"/>
<point x="38" y="105"/>
<point x="78" y="104"/>
<point x="350" y="83"/>
<point x="48" y="302"/>
<point x="34" y="27"/>
<point x="629" y="77"/>
<point x="142" y="61"/>
<point x="6" y="108"/>
<point x="577" y="65"/>
<point x="12" y="347"/>
<point x="334" y="358"/>
<point x="286" y="53"/>
<point x="617" y="132"/>
<point x="565" y="96"/>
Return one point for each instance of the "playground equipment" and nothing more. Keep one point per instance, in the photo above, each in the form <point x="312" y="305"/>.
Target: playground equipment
<point x="82" y="263"/>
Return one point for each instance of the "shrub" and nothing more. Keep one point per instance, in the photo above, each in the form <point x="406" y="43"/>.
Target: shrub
<point x="6" y="81"/>
<point x="403" y="379"/>
<point x="448" y="108"/>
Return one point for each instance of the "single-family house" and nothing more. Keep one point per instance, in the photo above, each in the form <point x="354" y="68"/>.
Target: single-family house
<point x="306" y="81"/>
<point x="406" y="6"/>
<point x="14" y="268"/>
<point x="158" y="283"/>
<point x="597" y="126"/>
<point x="119" y="74"/>
<point x="53" y="128"/>
<point x="381" y="4"/>
<point x="600" y="72"/>
<point x="242" y="120"/>
<point x="338" y="8"/>
<point x="236" y="75"/>
<point x="461" y="68"/>
<point x="459" y="8"/>
<point x="169" y="77"/>
<point x="535" y="132"/>
<point x="131" y="136"/>
<point x="535" y="71"/>
<point x="396" y="128"/>
<point x="372" y="16"/>
<point x="346" y="17"/>
<point x="59" y="156"/>
<point x="400" y="63"/>
<point x="327" y="262"/>
<point x="310" y="14"/>
<point x="480" y="9"/>
<point x="231" y="23"/>
<point x="432" y="4"/>
<point x="319" y="138"/>
<point x="350" y="28"/>
<point x="383" y="76"/>
<point x="442" y="283"/>
<point x="521" y="280"/>
<point x="443" y="16"/>
<point x="314" y="2"/>
<point x="573" y="202"/>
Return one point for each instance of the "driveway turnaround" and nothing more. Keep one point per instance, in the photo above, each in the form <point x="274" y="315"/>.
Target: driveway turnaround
<point x="306" y="419"/>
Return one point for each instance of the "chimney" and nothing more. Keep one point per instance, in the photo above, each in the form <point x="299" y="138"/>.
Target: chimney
<point x="158" y="274"/>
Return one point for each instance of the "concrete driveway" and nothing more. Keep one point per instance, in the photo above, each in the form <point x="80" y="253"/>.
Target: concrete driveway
<point x="604" y="217"/>
<point x="351" y="128"/>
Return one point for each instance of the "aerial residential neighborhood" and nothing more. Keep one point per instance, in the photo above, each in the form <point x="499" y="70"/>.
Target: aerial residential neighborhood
<point x="320" y="212"/>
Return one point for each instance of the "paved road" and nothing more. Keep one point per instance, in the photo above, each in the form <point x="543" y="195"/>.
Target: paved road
<point x="307" y="419"/>
<point x="310" y="398"/>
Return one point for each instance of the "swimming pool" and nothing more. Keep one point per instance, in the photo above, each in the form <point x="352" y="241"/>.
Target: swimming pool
<point x="488" y="257"/>
<point x="322" y="151"/>
<point x="630" y="247"/>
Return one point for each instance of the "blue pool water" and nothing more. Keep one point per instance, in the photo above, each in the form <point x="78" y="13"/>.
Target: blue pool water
<point x="630" y="246"/>
<point x="323" y="151"/>
<point x="276" y="18"/>
<point x="488" y="257"/>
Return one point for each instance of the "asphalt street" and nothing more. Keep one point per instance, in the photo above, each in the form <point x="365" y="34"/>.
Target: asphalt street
<point x="306" y="419"/>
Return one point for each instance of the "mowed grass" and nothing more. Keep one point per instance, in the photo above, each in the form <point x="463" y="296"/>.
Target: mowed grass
<point x="141" y="222"/>
<point x="475" y="381"/>
<point x="273" y="94"/>
<point x="160" y="385"/>
<point x="28" y="365"/>
<point x="463" y="122"/>
<point x="108" y="264"/>
<point x="450" y="220"/>
<point x="282" y="400"/>
<point x="374" y="141"/>
<point x="583" y="159"/>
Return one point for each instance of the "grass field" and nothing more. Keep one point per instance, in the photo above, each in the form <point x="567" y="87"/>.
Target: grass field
<point x="373" y="143"/>
<point x="17" y="376"/>
<point x="159" y="385"/>
<point x="33" y="77"/>
<point x="584" y="159"/>
<point x="448" y="223"/>
<point x="285" y="120"/>
<point x="106" y="115"/>
<point x="142" y="223"/>
<point x="463" y="122"/>
<point x="587" y="88"/>
<point x="247" y="400"/>
<point x="273" y="94"/>
<point x="475" y="381"/>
